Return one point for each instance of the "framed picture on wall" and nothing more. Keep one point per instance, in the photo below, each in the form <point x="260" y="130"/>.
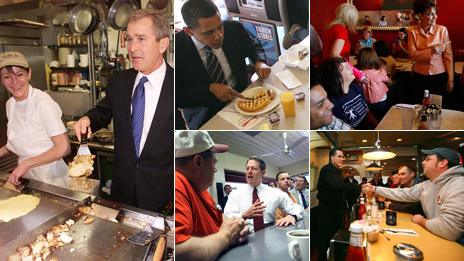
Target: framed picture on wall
<point x="266" y="35"/>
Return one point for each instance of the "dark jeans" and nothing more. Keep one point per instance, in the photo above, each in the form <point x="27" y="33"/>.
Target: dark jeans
<point x="326" y="221"/>
<point x="436" y="84"/>
<point x="379" y="109"/>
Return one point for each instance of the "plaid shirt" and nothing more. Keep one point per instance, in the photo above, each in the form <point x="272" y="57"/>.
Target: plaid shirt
<point x="336" y="124"/>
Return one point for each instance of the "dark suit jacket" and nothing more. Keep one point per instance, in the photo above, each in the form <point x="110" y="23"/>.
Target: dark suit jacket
<point x="192" y="78"/>
<point x="351" y="197"/>
<point x="146" y="182"/>
<point x="223" y="202"/>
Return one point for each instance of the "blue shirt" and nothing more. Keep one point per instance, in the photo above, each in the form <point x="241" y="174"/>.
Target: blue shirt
<point x="351" y="107"/>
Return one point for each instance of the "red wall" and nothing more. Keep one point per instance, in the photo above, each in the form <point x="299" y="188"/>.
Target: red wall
<point x="450" y="15"/>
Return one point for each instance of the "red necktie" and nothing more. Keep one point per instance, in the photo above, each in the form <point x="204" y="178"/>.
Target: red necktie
<point x="258" y="222"/>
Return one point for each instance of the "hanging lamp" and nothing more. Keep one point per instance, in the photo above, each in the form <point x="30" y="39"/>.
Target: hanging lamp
<point x="378" y="153"/>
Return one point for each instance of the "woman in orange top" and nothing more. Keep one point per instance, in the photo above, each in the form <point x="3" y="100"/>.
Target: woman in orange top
<point x="430" y="48"/>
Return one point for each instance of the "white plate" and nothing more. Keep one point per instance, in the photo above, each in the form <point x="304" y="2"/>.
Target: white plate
<point x="250" y="93"/>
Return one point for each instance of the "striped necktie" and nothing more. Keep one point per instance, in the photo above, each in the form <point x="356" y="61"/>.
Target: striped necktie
<point x="214" y="67"/>
<point x="138" y="112"/>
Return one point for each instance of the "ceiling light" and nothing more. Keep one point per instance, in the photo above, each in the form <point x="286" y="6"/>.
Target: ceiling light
<point x="413" y="159"/>
<point x="378" y="153"/>
<point x="364" y="141"/>
<point x="373" y="167"/>
<point x="399" y="139"/>
<point x="456" y="138"/>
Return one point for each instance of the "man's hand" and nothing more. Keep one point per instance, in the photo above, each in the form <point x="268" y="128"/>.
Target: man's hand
<point x="244" y="234"/>
<point x="262" y="69"/>
<point x="82" y="126"/>
<point x="255" y="210"/>
<point x="18" y="172"/>
<point x="387" y="204"/>
<point x="285" y="221"/>
<point x="419" y="219"/>
<point x="223" y="92"/>
<point x="368" y="189"/>
<point x="232" y="228"/>
<point x="438" y="49"/>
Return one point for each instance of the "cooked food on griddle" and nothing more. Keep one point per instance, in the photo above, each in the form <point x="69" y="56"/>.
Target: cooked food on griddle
<point x="82" y="165"/>
<point x="17" y="206"/>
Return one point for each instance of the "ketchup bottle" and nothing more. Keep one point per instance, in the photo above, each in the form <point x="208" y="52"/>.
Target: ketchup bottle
<point x="356" y="249"/>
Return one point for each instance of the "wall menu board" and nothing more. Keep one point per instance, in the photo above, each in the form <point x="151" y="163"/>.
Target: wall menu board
<point x="266" y="35"/>
<point x="255" y="4"/>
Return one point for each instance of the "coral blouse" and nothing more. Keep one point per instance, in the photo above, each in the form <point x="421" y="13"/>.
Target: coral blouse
<point x="420" y="46"/>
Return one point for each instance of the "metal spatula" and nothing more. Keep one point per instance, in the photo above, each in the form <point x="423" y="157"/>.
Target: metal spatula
<point x="83" y="148"/>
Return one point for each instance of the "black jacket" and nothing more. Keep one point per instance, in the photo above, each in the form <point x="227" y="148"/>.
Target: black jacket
<point x="192" y="79"/>
<point x="331" y="188"/>
<point x="146" y="182"/>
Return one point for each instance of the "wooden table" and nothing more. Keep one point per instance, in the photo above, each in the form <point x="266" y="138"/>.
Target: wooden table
<point x="451" y="120"/>
<point x="433" y="247"/>
<point x="298" y="122"/>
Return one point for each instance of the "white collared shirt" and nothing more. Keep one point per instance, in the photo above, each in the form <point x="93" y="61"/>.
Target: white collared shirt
<point x="231" y="82"/>
<point x="241" y="199"/>
<point x="152" y="95"/>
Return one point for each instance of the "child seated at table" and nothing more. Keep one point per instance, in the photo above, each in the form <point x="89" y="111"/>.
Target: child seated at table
<point x="376" y="90"/>
<point x="366" y="40"/>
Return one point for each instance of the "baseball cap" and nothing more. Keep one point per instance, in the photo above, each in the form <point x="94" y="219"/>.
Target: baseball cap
<point x="13" y="59"/>
<point x="189" y="143"/>
<point x="449" y="154"/>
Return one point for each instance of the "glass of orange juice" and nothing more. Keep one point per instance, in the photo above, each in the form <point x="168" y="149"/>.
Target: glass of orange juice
<point x="288" y="103"/>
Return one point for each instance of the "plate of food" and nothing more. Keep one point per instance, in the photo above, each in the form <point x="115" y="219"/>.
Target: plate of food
<point x="263" y="99"/>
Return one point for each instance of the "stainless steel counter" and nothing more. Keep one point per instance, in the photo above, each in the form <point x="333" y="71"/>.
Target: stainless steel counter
<point x="267" y="244"/>
<point x="99" y="240"/>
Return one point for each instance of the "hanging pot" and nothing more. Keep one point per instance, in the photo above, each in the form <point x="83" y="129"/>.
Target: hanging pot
<point x="119" y="14"/>
<point x="83" y="19"/>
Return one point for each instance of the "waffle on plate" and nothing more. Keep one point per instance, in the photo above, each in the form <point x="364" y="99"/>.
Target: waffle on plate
<point x="260" y="100"/>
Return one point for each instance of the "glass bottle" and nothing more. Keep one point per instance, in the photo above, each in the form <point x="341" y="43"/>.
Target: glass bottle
<point x="361" y="210"/>
<point x="356" y="249"/>
<point x="426" y="100"/>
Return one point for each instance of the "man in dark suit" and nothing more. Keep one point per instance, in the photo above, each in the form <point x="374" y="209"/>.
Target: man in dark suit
<point x="330" y="213"/>
<point x="223" y="200"/>
<point x="210" y="60"/>
<point x="349" y="178"/>
<point x="140" y="102"/>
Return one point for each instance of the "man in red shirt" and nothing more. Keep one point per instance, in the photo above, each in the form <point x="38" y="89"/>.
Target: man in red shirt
<point x="202" y="232"/>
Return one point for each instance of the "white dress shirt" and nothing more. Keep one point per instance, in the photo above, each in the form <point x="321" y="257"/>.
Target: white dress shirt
<point x="241" y="200"/>
<point x="230" y="78"/>
<point x="152" y="95"/>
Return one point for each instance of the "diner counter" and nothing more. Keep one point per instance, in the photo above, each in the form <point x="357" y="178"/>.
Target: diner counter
<point x="451" y="120"/>
<point x="433" y="247"/>
<point x="270" y="243"/>
<point x="228" y="118"/>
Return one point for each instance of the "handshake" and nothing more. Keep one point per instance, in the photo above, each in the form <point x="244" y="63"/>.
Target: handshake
<point x="368" y="189"/>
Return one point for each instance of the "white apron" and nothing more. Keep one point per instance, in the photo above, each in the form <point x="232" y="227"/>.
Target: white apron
<point x="28" y="141"/>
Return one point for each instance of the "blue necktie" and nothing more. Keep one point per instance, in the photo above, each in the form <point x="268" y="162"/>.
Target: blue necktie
<point x="138" y="112"/>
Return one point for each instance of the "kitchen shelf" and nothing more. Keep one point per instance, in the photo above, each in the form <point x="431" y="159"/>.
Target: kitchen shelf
<point x="69" y="68"/>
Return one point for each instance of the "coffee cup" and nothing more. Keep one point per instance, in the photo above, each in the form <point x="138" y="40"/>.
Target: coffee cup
<point x="298" y="244"/>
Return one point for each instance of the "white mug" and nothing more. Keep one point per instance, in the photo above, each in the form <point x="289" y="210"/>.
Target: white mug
<point x="298" y="244"/>
<point x="70" y="60"/>
<point x="84" y="60"/>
